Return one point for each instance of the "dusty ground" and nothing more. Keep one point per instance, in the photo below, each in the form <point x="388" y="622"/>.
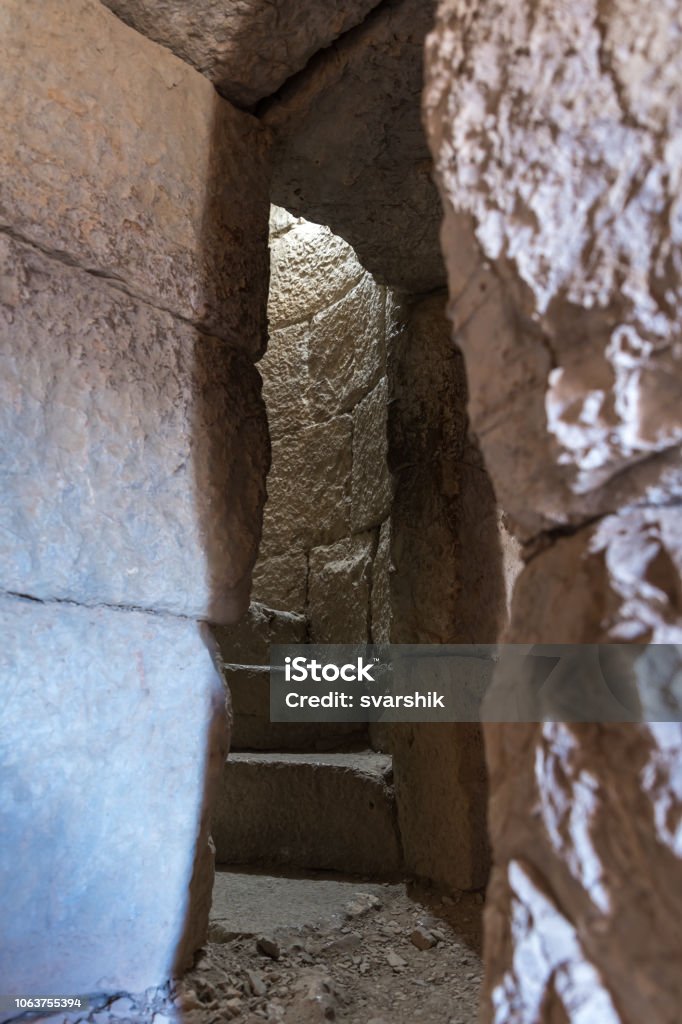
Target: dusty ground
<point x="304" y="949"/>
<point x="360" y="963"/>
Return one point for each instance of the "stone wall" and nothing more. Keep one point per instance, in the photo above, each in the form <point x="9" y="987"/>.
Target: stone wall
<point x="556" y="135"/>
<point x="132" y="467"/>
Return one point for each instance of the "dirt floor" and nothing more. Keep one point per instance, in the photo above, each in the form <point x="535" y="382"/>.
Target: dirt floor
<point x="322" y="949"/>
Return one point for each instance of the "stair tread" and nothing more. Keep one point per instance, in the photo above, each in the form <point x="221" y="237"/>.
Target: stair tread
<point x="365" y="761"/>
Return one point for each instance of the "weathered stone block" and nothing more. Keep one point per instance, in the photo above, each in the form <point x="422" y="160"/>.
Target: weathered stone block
<point x="248" y="49"/>
<point x="347" y="349"/>
<point x="351" y="147"/>
<point x="280" y="581"/>
<point x="617" y="582"/>
<point x="248" y="641"/>
<point x="171" y="205"/>
<point x="311" y="268"/>
<point x="135" y="448"/>
<point x="339" y="582"/>
<point x="309" y="488"/>
<point x="584" y="261"/>
<point x="113" y="738"/>
<point x="296" y="809"/>
<point x="371" y="491"/>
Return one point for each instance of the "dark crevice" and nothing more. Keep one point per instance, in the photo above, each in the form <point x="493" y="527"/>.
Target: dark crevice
<point x="345" y="41"/>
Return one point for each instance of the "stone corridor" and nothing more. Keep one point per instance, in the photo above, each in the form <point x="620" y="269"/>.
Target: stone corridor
<point x="354" y="322"/>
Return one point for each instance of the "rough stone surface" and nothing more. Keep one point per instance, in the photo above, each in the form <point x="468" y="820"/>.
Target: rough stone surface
<point x="248" y="49"/>
<point x="351" y="151"/>
<point x="309" y="487"/>
<point x="311" y="269"/>
<point x="108" y="688"/>
<point x="137" y="448"/>
<point x="296" y="809"/>
<point x="576" y="881"/>
<point x="248" y="641"/>
<point x="441" y="795"/>
<point x="556" y="135"/>
<point x="346" y="349"/>
<point x="444" y="506"/>
<point x="615" y="582"/>
<point x="249" y="689"/>
<point x="381" y="587"/>
<point x="571" y="193"/>
<point x="157" y="203"/>
<point x="339" y="584"/>
<point x="371" y="491"/>
<point x="280" y="581"/>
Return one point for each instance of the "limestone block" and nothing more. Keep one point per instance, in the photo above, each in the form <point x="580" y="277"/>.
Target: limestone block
<point x="280" y="581"/>
<point x="371" y="483"/>
<point x="441" y="793"/>
<point x="339" y="591"/>
<point x="568" y="192"/>
<point x="123" y="158"/>
<point x="296" y="809"/>
<point x="247" y="49"/>
<point x="311" y="268"/>
<point x="347" y="349"/>
<point x="309" y="488"/>
<point x="576" y="881"/>
<point x="617" y="582"/>
<point x="249" y="689"/>
<point x="351" y="151"/>
<point x="248" y="641"/>
<point x="135" y="448"/>
<point x="113" y="738"/>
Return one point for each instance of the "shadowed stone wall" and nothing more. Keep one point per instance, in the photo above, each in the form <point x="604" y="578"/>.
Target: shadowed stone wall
<point x="556" y="133"/>
<point x="132" y="467"/>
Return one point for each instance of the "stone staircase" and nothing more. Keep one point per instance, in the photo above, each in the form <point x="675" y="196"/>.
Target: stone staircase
<point x="307" y="796"/>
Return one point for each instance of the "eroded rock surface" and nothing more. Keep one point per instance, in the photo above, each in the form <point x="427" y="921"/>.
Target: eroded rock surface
<point x="89" y="682"/>
<point x="556" y="134"/>
<point x="351" y="152"/>
<point x="135" y="472"/>
<point x="557" y="147"/>
<point x="133" y="167"/>
<point x="248" y="49"/>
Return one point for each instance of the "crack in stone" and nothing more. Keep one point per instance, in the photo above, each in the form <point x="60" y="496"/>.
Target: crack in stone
<point x="118" y="283"/>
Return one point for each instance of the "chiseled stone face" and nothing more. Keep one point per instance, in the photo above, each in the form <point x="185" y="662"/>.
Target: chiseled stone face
<point x="135" y="449"/>
<point x="122" y="157"/>
<point x="105" y="765"/>
<point x="247" y="48"/>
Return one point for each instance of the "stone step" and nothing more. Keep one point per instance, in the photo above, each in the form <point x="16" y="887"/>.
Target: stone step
<point x="249" y="687"/>
<point x="323" y="811"/>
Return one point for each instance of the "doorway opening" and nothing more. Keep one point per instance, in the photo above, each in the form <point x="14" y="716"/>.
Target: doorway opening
<point x="352" y="858"/>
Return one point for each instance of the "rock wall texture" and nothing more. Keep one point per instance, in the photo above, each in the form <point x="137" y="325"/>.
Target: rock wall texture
<point x="556" y="136"/>
<point x="134" y="452"/>
<point x="248" y="49"/>
<point x="350" y="149"/>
